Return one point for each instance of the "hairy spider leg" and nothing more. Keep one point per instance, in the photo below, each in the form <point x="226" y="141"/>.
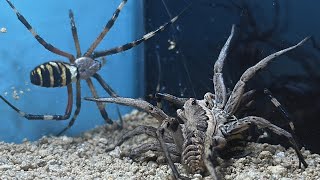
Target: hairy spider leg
<point x="134" y="43"/>
<point x="263" y="123"/>
<point x="235" y="97"/>
<point x="177" y="101"/>
<point x="219" y="87"/>
<point x="45" y="44"/>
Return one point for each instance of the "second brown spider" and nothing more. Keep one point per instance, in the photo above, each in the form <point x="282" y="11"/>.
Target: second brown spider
<point x="202" y="128"/>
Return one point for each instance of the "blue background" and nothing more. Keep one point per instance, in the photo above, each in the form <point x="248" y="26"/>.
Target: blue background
<point x="20" y="53"/>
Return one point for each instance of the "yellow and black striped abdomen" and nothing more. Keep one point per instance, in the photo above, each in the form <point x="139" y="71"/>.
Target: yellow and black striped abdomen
<point x="53" y="74"/>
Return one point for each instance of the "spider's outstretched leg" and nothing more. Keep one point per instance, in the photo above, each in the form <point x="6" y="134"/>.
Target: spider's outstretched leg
<point x="46" y="117"/>
<point x="172" y="99"/>
<point x="105" y="30"/>
<point x="263" y="123"/>
<point x="137" y="103"/>
<point x="100" y="105"/>
<point x="219" y="87"/>
<point x="280" y="108"/>
<point x="104" y="85"/>
<point x="74" y="34"/>
<point x="235" y="97"/>
<point x="78" y="108"/>
<point x="132" y="44"/>
<point x="45" y="44"/>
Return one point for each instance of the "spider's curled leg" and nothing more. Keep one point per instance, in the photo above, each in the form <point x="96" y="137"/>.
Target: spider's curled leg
<point x="46" y="117"/>
<point x="78" y="108"/>
<point x="263" y="123"/>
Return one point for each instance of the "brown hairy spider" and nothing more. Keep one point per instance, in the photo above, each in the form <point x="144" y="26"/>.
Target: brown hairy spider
<point x="203" y="127"/>
<point x="54" y="74"/>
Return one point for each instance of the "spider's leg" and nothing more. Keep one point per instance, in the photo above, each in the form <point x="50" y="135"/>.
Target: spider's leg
<point x="104" y="85"/>
<point x="132" y="44"/>
<point x="100" y="105"/>
<point x="78" y="108"/>
<point x="137" y="103"/>
<point x="105" y="30"/>
<point x="219" y="86"/>
<point x="235" y="97"/>
<point x="156" y="112"/>
<point x="282" y="110"/>
<point x="45" y="44"/>
<point x="120" y="118"/>
<point x="263" y="123"/>
<point x="160" y="134"/>
<point x="247" y="97"/>
<point x="154" y="146"/>
<point x="172" y="99"/>
<point x="74" y="34"/>
<point x="209" y="155"/>
<point x="46" y="117"/>
<point x="148" y="130"/>
<point x="245" y="103"/>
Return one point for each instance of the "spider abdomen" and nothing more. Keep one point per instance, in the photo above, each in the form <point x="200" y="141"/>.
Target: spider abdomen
<point x="192" y="153"/>
<point x="53" y="74"/>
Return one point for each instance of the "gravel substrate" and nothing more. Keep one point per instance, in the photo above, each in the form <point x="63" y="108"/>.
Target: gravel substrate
<point x="85" y="158"/>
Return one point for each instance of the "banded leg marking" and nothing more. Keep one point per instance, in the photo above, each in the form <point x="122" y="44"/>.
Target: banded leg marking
<point x="45" y="117"/>
<point x="45" y="44"/>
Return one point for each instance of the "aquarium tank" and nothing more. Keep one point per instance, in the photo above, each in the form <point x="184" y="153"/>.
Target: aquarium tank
<point x="159" y="89"/>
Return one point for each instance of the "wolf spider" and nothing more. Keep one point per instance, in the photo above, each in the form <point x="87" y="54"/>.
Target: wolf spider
<point x="204" y="127"/>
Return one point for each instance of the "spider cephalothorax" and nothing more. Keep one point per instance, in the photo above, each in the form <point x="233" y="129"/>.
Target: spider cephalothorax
<point x="203" y="127"/>
<point x="80" y="67"/>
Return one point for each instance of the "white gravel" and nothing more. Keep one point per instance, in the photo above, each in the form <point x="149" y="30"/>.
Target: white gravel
<point x="85" y="158"/>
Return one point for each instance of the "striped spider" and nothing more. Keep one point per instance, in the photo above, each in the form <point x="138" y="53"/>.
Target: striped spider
<point x="82" y="67"/>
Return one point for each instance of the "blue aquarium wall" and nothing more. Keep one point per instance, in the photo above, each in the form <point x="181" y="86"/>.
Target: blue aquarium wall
<point x="20" y="53"/>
